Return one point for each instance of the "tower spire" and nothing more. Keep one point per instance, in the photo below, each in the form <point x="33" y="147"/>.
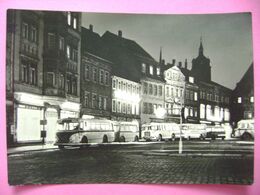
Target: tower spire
<point x="201" y="47"/>
<point x="160" y="58"/>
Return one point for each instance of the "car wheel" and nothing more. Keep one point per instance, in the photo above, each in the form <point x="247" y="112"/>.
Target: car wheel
<point x="122" y="139"/>
<point x="61" y="147"/>
<point x="213" y="138"/>
<point x="105" y="139"/>
<point x="246" y="136"/>
<point x="223" y="138"/>
<point x="188" y="138"/>
<point x="136" y="139"/>
<point x="202" y="137"/>
<point x="84" y="140"/>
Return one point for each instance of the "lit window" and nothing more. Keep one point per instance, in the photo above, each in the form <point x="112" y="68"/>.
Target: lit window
<point x="114" y="84"/>
<point x="68" y="51"/>
<point x="75" y="23"/>
<point x="195" y="96"/>
<point x="191" y="79"/>
<point x="239" y="100"/>
<point x="143" y="67"/>
<point x="202" y="111"/>
<point x="32" y="76"/>
<point x="252" y="99"/>
<point x="69" y="18"/>
<point x="158" y="71"/>
<point x="151" y="70"/>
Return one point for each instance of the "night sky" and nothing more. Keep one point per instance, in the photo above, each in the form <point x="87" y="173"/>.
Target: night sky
<point x="227" y="38"/>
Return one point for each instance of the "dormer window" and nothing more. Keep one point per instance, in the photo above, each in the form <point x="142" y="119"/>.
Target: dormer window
<point x="143" y="67"/>
<point x="191" y="79"/>
<point x="158" y="72"/>
<point x="151" y="70"/>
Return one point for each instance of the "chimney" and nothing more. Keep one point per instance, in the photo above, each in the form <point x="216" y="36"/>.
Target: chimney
<point x="180" y="64"/>
<point x="163" y="62"/>
<point x="186" y="64"/>
<point x="120" y="33"/>
<point x="173" y="62"/>
<point x="91" y="27"/>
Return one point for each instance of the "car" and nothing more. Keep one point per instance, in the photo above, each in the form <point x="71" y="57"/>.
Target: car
<point x="193" y="131"/>
<point x="216" y="131"/>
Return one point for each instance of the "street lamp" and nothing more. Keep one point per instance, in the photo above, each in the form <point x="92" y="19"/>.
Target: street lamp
<point x="160" y="112"/>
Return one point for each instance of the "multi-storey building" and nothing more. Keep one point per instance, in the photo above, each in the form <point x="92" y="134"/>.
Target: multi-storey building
<point x="214" y="99"/>
<point x="191" y="98"/>
<point x="42" y="60"/>
<point x="95" y="77"/>
<point x="174" y="92"/>
<point x="242" y="106"/>
<point x="133" y="63"/>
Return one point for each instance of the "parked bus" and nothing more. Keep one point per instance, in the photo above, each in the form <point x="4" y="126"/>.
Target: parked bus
<point x="193" y="131"/>
<point x="126" y="131"/>
<point x="80" y="132"/>
<point x="160" y="131"/>
<point x="245" y="129"/>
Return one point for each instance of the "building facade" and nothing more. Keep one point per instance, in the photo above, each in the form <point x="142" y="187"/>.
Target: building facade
<point x="174" y="92"/>
<point x="213" y="98"/>
<point x="44" y="87"/>
<point x="243" y="98"/>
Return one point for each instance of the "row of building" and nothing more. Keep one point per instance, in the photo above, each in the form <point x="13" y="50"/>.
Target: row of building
<point x="56" y="68"/>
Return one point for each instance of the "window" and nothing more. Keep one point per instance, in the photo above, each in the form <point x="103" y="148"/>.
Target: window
<point x="145" y="89"/>
<point x="86" y="98"/>
<point x="252" y="99"/>
<point x="113" y="105"/>
<point x="239" y="100"/>
<point x="101" y="76"/>
<point x="50" y="79"/>
<point x="195" y="96"/>
<point x="167" y="91"/>
<point x="151" y="70"/>
<point x="100" y="102"/>
<point x="61" y="43"/>
<point x="191" y="79"/>
<point x="68" y="51"/>
<point x="87" y="72"/>
<point x="145" y="109"/>
<point x="155" y="90"/>
<point x="24" y="73"/>
<point x="191" y="112"/>
<point x="69" y="18"/>
<point x="75" y="23"/>
<point x="107" y="78"/>
<point x="158" y="71"/>
<point x="33" y="76"/>
<point x="74" y="55"/>
<point x="123" y="107"/>
<point x="105" y="103"/>
<point x="160" y="90"/>
<point x="94" y="100"/>
<point x="154" y="108"/>
<point x="202" y="111"/>
<point x="61" y="81"/>
<point x="118" y="106"/>
<point x="143" y="67"/>
<point x="51" y="40"/>
<point x="150" y="108"/>
<point x="129" y="108"/>
<point x="150" y="89"/>
<point x="25" y="30"/>
<point x="94" y="74"/>
<point x="124" y="86"/>
<point x="114" y="83"/>
<point x="33" y="34"/>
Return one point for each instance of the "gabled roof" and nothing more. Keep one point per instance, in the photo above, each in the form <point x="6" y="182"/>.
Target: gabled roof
<point x="126" y="55"/>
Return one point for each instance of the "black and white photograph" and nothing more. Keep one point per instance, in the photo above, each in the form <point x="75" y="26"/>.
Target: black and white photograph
<point x="129" y="98"/>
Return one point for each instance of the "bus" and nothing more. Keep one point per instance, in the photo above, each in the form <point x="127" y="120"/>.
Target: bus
<point x="193" y="131"/>
<point x="160" y="131"/>
<point x="245" y="129"/>
<point x="80" y="132"/>
<point x="126" y="131"/>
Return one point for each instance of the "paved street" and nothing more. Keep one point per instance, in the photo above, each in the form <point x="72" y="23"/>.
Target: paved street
<point x="155" y="162"/>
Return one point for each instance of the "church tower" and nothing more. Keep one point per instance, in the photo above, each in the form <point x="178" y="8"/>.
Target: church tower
<point x="201" y="66"/>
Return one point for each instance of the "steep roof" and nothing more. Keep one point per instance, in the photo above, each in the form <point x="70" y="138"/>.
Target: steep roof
<point x="127" y="56"/>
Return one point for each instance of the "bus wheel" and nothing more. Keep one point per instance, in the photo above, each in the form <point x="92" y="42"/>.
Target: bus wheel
<point x="246" y="136"/>
<point x="84" y="140"/>
<point x="105" y="139"/>
<point x="189" y="138"/>
<point x="122" y="139"/>
<point x="173" y="137"/>
<point x="223" y="138"/>
<point x="160" y="138"/>
<point x="202" y="137"/>
<point x="61" y="147"/>
<point x="136" y="139"/>
<point x="213" y="138"/>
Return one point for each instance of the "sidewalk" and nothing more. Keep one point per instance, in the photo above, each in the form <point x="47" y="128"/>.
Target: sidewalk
<point x="20" y="149"/>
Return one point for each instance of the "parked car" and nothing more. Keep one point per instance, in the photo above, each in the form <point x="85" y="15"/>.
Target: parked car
<point x="245" y="129"/>
<point x="193" y="131"/>
<point x="216" y="131"/>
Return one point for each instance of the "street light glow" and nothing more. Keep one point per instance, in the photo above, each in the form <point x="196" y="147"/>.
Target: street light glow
<point x="160" y="112"/>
